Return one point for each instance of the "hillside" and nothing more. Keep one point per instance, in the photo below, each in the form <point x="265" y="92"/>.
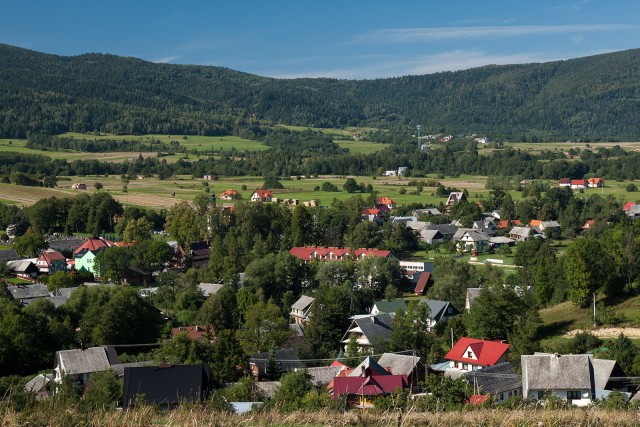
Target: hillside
<point x="592" y="98"/>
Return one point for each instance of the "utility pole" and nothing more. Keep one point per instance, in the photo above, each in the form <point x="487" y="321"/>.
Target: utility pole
<point x="418" y="127"/>
<point x="451" y="337"/>
<point x="594" y="309"/>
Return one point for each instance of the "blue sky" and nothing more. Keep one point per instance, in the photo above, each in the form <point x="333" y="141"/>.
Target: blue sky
<point x="340" y="39"/>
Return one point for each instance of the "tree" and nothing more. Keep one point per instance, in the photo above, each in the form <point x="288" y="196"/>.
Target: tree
<point x="411" y="329"/>
<point x="103" y="391"/>
<point x="376" y="273"/>
<point x="494" y="312"/>
<point x="365" y="235"/>
<point x="588" y="268"/>
<point x="58" y="280"/>
<point x="229" y="361"/>
<point x="181" y="350"/>
<point x="151" y="254"/>
<point x="328" y="319"/>
<point x="113" y="263"/>
<point x="293" y="387"/>
<point x="453" y="279"/>
<point x="624" y="351"/>
<point x="351" y="186"/>
<point x="98" y="185"/>
<point x="30" y="244"/>
<point x="264" y="328"/>
<point x="220" y="310"/>
<point x="330" y="187"/>
<point x="183" y="224"/>
<point x="301" y="226"/>
<point x="138" y="230"/>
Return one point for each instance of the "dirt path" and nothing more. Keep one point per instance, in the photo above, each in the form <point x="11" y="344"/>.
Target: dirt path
<point x="608" y="332"/>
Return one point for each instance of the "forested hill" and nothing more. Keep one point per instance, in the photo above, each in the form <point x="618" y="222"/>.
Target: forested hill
<point x="592" y="98"/>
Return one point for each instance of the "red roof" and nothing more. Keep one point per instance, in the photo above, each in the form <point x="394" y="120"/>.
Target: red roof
<point x="368" y="386"/>
<point x="595" y="180"/>
<point x="332" y="253"/>
<point x="516" y="222"/>
<point x="229" y="193"/>
<point x="488" y="353"/>
<point x="194" y="333"/>
<point x="478" y="399"/>
<point x="564" y="181"/>
<point x="370" y="211"/>
<point x="263" y="194"/>
<point x="49" y="257"/>
<point x="423" y="281"/>
<point x="627" y="206"/>
<point x="588" y="224"/>
<point x="577" y="182"/>
<point x="93" y="244"/>
<point x="385" y="201"/>
<point x="535" y="222"/>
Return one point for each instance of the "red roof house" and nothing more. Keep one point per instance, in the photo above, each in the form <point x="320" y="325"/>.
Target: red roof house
<point x="578" y="183"/>
<point x="627" y="206"/>
<point x="51" y="261"/>
<point x="588" y="224"/>
<point x="94" y="244"/>
<point x="471" y="354"/>
<point x="564" y="182"/>
<point x="229" y="194"/>
<point x="595" y="182"/>
<point x="387" y="201"/>
<point x="261" y="196"/>
<point x="194" y="333"/>
<point x="367" y="381"/>
<point x="423" y="283"/>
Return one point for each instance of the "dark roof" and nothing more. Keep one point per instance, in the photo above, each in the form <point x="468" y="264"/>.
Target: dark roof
<point x="77" y="362"/>
<point x="400" y="364"/>
<point x="323" y="375"/>
<point x="286" y="360"/>
<point x="37" y="290"/>
<point x="8" y="255"/>
<point x="494" y="379"/>
<point x="443" y="228"/>
<point x="368" y="367"/>
<point x="166" y="385"/>
<point x="376" y="327"/>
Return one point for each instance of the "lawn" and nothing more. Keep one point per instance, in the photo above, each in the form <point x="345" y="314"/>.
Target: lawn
<point x="361" y="147"/>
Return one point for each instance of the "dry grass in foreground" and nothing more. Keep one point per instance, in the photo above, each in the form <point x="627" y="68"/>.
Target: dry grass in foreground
<point x="201" y="416"/>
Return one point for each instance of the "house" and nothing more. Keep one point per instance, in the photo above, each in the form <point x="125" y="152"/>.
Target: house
<point x="78" y="186"/>
<point x="322" y="376"/>
<point x="411" y="366"/>
<point x="634" y="211"/>
<point x="308" y="253"/>
<point x="8" y="255"/>
<point x="521" y="234"/>
<point x="416" y="266"/>
<point x="472" y="294"/>
<point x="424" y="282"/>
<point x="386" y="201"/>
<point x="497" y="242"/>
<point x="300" y="310"/>
<point x="401" y="220"/>
<point x="469" y="354"/>
<point x="286" y="361"/>
<point x="578" y="184"/>
<point x="545" y="227"/>
<point x="24" y="293"/>
<point x="564" y="182"/>
<point x="565" y="376"/>
<point x="454" y="198"/>
<point x="487" y="226"/>
<point x="373" y="215"/>
<point x="427" y="211"/>
<point x="209" y="289"/>
<point x="196" y="256"/>
<point x="24" y="268"/>
<point x="367" y="330"/>
<point x="229" y="194"/>
<point x="39" y="386"/>
<point x="438" y="310"/>
<point x="447" y="230"/>
<point x="195" y="333"/>
<point x="503" y="224"/>
<point x="93" y="244"/>
<point x="473" y="241"/>
<point x="166" y="385"/>
<point x="51" y="261"/>
<point x="595" y="182"/>
<point x="588" y="224"/>
<point x="366" y="382"/>
<point x="80" y="364"/>
<point x="500" y="381"/>
<point x="264" y="196"/>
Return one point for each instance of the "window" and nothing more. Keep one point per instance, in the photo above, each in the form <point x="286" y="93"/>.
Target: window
<point x="540" y="394"/>
<point x="573" y="395"/>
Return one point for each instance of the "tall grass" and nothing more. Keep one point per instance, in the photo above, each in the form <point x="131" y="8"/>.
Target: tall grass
<point x="189" y="415"/>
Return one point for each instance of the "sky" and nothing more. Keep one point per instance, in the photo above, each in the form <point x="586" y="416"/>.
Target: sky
<point x="344" y="39"/>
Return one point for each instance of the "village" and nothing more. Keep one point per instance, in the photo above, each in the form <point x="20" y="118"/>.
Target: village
<point x="287" y="313"/>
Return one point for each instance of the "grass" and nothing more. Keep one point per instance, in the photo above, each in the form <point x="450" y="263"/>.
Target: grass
<point x="361" y="147"/>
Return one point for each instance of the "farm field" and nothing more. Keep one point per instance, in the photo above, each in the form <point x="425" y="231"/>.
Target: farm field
<point x="361" y="147"/>
<point x="537" y="147"/>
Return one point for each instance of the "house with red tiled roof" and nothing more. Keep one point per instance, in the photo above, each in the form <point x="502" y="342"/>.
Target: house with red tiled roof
<point x="595" y="182"/>
<point x="387" y="201"/>
<point x="86" y="253"/>
<point x="194" y="333"/>
<point x="564" y="182"/>
<point x="366" y="382"/>
<point x="588" y="224"/>
<point x="229" y="194"/>
<point x="372" y="215"/>
<point x="51" y="261"/>
<point x="578" y="184"/>
<point x="262" y="196"/>
<point x="93" y="244"/>
<point x="308" y="253"/>
<point x="470" y="354"/>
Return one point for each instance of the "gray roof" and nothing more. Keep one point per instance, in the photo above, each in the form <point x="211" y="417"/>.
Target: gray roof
<point x="556" y="372"/>
<point x="209" y="288"/>
<point x="439" y="309"/>
<point x="375" y="327"/>
<point x="297" y="329"/>
<point x="118" y="368"/>
<point x="20" y="265"/>
<point x="322" y="375"/>
<point x="65" y="292"/>
<point x="426" y="211"/>
<point x="551" y="224"/>
<point x="8" y="255"/>
<point x="399" y="364"/>
<point x="268" y="387"/>
<point x="402" y="219"/>
<point x="602" y="369"/>
<point x="368" y="363"/>
<point x="476" y="235"/>
<point x="37" y="383"/>
<point x="286" y="359"/>
<point x="495" y="379"/>
<point x="521" y="231"/>
<point x="459" y="233"/>
<point x="303" y="303"/>
<point x="56" y="300"/>
<point x="427" y="235"/>
<point x="75" y="362"/>
<point x="446" y="229"/>
<point x="501" y="240"/>
<point x="634" y="210"/>
<point x="37" y="290"/>
<point x="417" y="225"/>
<point x="472" y="294"/>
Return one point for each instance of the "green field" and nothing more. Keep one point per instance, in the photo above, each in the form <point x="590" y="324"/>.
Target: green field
<point x="361" y="147"/>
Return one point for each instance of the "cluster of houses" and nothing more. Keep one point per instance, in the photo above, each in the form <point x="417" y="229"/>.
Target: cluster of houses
<point x="581" y="184"/>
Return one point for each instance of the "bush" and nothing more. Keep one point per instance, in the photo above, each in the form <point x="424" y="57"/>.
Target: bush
<point x="631" y="188"/>
<point x="104" y="391"/>
<point x="293" y="387"/>
<point x="327" y="186"/>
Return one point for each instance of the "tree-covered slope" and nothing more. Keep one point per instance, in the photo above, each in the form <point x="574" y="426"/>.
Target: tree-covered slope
<point x="591" y="98"/>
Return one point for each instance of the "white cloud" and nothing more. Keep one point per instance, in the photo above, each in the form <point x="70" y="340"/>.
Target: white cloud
<point x="409" y="35"/>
